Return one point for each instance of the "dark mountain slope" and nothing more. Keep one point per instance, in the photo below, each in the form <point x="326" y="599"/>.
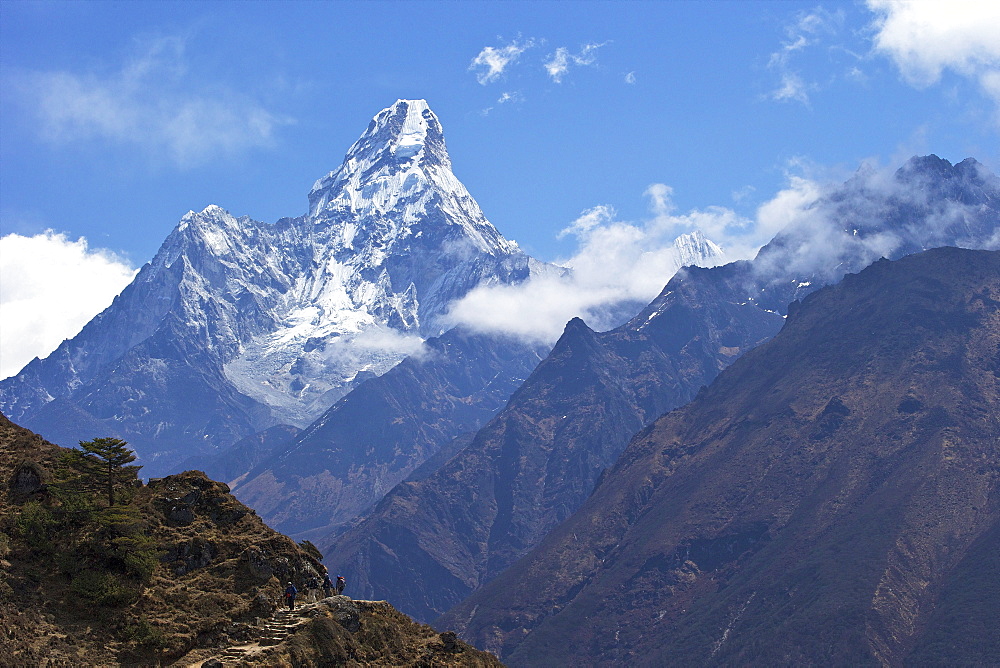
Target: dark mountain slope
<point x="537" y="461"/>
<point x="375" y="436"/>
<point x="832" y="497"/>
<point x="435" y="541"/>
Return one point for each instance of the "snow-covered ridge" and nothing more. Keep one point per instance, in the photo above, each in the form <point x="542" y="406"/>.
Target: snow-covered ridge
<point x="295" y="313"/>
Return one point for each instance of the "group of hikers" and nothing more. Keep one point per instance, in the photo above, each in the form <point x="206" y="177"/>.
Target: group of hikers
<point x="313" y="586"/>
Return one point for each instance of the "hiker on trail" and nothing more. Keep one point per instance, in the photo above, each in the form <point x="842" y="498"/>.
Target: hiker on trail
<point x="290" y="592"/>
<point x="313" y="586"/>
<point x="341" y="583"/>
<point x="327" y="585"/>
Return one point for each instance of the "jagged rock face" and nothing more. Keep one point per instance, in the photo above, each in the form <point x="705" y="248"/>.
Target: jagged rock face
<point x="831" y="497"/>
<point x="237" y="325"/>
<point x="439" y="539"/>
<point x="927" y="203"/>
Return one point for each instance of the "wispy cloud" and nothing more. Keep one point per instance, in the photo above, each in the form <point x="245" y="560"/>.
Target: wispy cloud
<point x="50" y="287"/>
<point x="512" y="97"/>
<point x="558" y="64"/>
<point x="805" y="32"/>
<point x="492" y="61"/>
<point x="792" y="87"/>
<point x="353" y="351"/>
<point x="150" y="102"/>
<point x="924" y="38"/>
<point x="630" y="78"/>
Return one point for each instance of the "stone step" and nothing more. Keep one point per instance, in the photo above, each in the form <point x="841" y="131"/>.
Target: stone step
<point x="270" y="641"/>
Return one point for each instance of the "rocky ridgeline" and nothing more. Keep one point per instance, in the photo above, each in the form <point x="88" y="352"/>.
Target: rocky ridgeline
<point x="352" y="632"/>
<point x="213" y="594"/>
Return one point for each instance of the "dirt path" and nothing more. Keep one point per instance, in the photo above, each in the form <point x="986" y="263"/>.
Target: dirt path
<point x="280" y="626"/>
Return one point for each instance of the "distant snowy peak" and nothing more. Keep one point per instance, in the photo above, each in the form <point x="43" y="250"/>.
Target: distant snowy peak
<point x="400" y="169"/>
<point x="695" y="248"/>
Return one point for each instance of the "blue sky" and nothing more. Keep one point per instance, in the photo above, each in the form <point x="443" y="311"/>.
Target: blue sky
<point x="117" y="118"/>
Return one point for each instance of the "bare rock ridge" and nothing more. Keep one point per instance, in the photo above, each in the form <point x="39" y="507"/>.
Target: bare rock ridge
<point x="373" y="438"/>
<point x="830" y="498"/>
<point x="534" y="464"/>
<point x="180" y="574"/>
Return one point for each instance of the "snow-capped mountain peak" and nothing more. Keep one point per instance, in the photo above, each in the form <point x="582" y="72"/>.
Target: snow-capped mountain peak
<point x="401" y="143"/>
<point x="694" y="248"/>
<point x="412" y="136"/>
<point x="393" y="177"/>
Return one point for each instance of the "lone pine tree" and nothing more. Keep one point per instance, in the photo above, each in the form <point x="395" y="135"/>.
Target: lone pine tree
<point x="102" y="465"/>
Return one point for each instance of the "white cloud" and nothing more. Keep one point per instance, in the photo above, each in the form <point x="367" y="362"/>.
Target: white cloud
<point x="618" y="266"/>
<point x="150" y="102"/>
<point x="354" y="351"/>
<point x="821" y="235"/>
<point x="630" y="78"/>
<point x="50" y="287"/>
<point x="736" y="234"/>
<point x="791" y="205"/>
<point x="793" y="87"/>
<point x="492" y="61"/>
<point x="925" y="37"/>
<point x="806" y="31"/>
<point x="588" y="220"/>
<point x="513" y="97"/>
<point x="559" y="62"/>
<point x="616" y="269"/>
<point x="743" y="193"/>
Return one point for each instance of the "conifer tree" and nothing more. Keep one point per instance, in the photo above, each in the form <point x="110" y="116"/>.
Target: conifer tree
<point x="102" y="465"/>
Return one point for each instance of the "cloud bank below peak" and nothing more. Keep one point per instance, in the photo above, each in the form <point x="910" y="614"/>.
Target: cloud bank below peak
<point x="619" y="266"/>
<point x="818" y="228"/>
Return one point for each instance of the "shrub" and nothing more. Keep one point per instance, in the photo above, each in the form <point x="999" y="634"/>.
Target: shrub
<point x="310" y="549"/>
<point x="143" y="634"/>
<point x="35" y="526"/>
<point x="104" y="588"/>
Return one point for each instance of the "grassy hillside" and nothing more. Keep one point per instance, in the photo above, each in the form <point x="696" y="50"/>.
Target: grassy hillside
<point x="174" y="573"/>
